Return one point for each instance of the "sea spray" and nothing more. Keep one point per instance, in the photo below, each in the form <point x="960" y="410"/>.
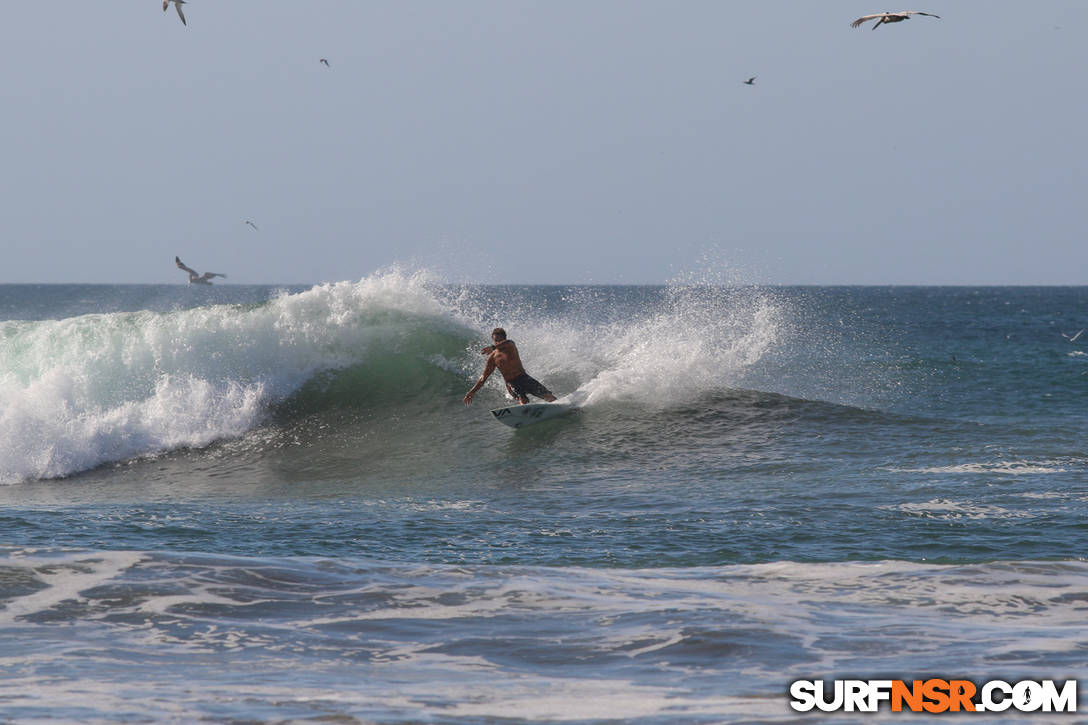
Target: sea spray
<point x="700" y="341"/>
<point x="679" y="342"/>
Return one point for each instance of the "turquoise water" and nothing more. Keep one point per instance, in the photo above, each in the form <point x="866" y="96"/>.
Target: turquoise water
<point x="258" y="504"/>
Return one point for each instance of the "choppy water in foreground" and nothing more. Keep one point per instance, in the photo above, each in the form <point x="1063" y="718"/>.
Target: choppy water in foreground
<point x="250" y="504"/>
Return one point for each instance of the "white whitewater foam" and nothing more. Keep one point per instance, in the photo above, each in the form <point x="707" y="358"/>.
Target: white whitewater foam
<point x="842" y="616"/>
<point x="88" y="390"/>
<point x="656" y="635"/>
<point x="946" y="509"/>
<point x="1009" y="468"/>
<point x="65" y="579"/>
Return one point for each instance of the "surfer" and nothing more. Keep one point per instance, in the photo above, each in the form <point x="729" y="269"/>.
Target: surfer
<point x="504" y="356"/>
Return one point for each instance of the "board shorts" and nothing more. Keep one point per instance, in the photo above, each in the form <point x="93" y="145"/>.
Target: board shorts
<point x="523" y="386"/>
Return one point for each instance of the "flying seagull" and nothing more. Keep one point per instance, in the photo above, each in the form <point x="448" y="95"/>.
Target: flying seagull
<point x="890" y="17"/>
<point x="195" y="278"/>
<point x="1072" y="338"/>
<point x="326" y="62"/>
<point x="177" y="4"/>
<point x="751" y="81"/>
<point x="252" y="225"/>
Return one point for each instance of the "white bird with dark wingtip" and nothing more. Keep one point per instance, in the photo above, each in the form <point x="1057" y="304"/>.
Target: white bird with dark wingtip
<point x="890" y="17"/>
<point x="177" y="4"/>
<point x="195" y="278"/>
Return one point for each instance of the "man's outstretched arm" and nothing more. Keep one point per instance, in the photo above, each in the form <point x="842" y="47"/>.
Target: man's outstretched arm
<point x="488" y="369"/>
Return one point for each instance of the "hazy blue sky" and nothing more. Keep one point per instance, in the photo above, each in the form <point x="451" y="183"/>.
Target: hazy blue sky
<point x="549" y="141"/>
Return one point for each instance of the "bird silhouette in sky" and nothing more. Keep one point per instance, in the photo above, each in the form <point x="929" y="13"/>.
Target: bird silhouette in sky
<point x="889" y="18"/>
<point x="326" y="62"/>
<point x="751" y="81"/>
<point x="252" y="225"/>
<point x="195" y="278"/>
<point x="177" y="4"/>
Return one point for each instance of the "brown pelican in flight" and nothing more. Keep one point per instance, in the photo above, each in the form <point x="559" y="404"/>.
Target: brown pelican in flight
<point x="890" y="17"/>
<point x="195" y="278"/>
<point x="177" y="4"/>
<point x="751" y="81"/>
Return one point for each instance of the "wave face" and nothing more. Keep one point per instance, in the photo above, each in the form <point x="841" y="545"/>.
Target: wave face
<point x="91" y="389"/>
<point x="87" y="390"/>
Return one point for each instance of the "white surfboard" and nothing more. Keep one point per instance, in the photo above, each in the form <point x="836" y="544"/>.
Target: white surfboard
<point x="519" y="416"/>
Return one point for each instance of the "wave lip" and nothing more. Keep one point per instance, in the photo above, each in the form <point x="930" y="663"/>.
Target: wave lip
<point x="89" y="390"/>
<point x="48" y="437"/>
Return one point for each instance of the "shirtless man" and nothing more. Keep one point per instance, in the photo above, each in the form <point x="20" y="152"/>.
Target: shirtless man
<point x="504" y="356"/>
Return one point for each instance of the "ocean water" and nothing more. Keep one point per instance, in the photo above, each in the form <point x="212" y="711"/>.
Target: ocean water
<point x="254" y="504"/>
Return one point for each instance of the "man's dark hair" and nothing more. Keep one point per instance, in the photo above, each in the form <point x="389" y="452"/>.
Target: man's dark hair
<point x="499" y="333"/>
